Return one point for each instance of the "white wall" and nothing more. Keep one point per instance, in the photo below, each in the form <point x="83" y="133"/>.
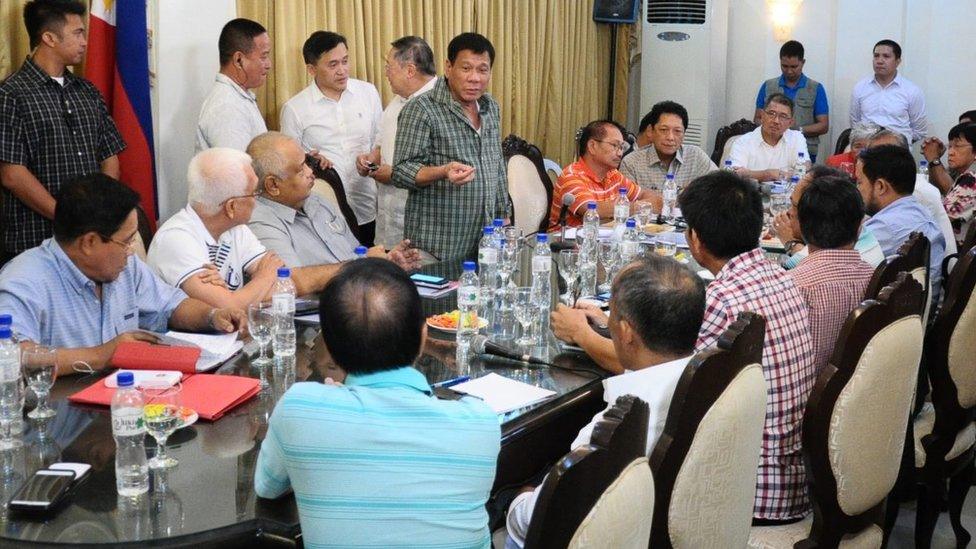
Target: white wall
<point x="185" y="56"/>
<point x="838" y="36"/>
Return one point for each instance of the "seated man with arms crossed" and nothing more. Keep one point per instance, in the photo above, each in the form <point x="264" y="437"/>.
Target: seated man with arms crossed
<point x="380" y="461"/>
<point x="656" y="308"/>
<point x="595" y="177"/>
<point x="303" y="229"/>
<point x="212" y="230"/>
<point x="769" y="152"/>
<point x="84" y="292"/>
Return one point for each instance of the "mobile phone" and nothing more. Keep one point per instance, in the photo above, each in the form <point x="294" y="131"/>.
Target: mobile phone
<point x="43" y="491"/>
<point x="428" y="279"/>
<point x="306" y="306"/>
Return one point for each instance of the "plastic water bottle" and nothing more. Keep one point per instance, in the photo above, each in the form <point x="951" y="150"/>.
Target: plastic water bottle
<point x="488" y="256"/>
<point x="542" y="281"/>
<point x="728" y="166"/>
<point x="131" y="470"/>
<point x="923" y="169"/>
<point x="621" y="208"/>
<point x="794" y="181"/>
<point x="11" y="383"/>
<point x="283" y="304"/>
<point x="498" y="230"/>
<point x="361" y="252"/>
<point x="670" y="198"/>
<point x="629" y="243"/>
<point x="800" y="168"/>
<point x="468" y="298"/>
<point x="589" y="250"/>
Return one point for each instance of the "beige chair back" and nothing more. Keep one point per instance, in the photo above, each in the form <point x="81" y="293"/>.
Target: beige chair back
<point x="727" y="149"/>
<point x="528" y="194"/>
<point x="621" y="517"/>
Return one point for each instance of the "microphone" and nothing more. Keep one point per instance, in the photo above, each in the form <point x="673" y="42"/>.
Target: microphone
<point x="568" y="200"/>
<point x="483" y="346"/>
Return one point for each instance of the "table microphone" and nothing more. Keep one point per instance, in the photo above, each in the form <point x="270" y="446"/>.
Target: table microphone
<point x="483" y="346"/>
<point x="568" y="200"/>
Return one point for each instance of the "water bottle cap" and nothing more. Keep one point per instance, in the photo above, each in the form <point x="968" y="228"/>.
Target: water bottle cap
<point x="631" y="223"/>
<point x="921" y="163"/>
<point x="671" y="175"/>
<point x="542" y="237"/>
<point x="125" y="379"/>
<point x="6" y="319"/>
<point x="469" y="266"/>
<point x="591" y="205"/>
<point x="498" y="222"/>
<point x="361" y="250"/>
<point x="794" y="178"/>
<point x="728" y="162"/>
<point x="622" y="190"/>
<point x="5" y="332"/>
<point x="801" y="154"/>
<point x="489" y="230"/>
<point x="284" y="272"/>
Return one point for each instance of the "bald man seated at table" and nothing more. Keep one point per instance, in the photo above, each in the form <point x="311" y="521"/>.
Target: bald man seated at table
<point x="84" y="292"/>
<point x="212" y="231"/>
<point x="306" y="231"/>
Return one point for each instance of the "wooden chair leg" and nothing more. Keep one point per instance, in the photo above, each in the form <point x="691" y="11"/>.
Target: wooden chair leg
<point x="926" y="514"/>
<point x="958" y="488"/>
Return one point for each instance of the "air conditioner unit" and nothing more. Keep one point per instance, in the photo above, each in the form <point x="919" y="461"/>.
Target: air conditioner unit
<point x="683" y="58"/>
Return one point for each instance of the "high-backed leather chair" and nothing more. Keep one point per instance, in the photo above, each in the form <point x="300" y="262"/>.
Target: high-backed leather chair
<point x="529" y="185"/>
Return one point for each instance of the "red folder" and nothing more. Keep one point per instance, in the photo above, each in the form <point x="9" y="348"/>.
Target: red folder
<point x="140" y="355"/>
<point x="211" y="396"/>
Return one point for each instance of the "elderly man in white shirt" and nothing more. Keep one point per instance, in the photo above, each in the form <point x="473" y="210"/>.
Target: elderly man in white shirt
<point x="211" y="234"/>
<point x="769" y="152"/>
<point x="229" y="116"/>
<point x="657" y="307"/>
<point x="889" y="99"/>
<point x="338" y="116"/>
<point x="410" y="70"/>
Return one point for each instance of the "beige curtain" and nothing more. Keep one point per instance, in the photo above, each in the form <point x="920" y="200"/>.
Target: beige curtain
<point x="14" y="44"/>
<point x="551" y="66"/>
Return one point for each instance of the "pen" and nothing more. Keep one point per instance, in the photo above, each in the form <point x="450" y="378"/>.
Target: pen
<point x="451" y="382"/>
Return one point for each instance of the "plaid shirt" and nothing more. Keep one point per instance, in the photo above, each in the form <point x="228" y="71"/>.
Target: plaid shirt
<point x="432" y="130"/>
<point x="644" y="166"/>
<point x="58" y="133"/>
<point x="748" y="282"/>
<point x="832" y="283"/>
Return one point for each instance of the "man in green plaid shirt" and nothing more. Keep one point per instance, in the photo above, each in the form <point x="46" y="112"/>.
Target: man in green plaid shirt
<point x="448" y="155"/>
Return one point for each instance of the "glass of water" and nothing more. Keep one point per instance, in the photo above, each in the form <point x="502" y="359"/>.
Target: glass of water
<point x="261" y="322"/>
<point x="526" y="312"/>
<point x="609" y="256"/>
<point x="40" y="371"/>
<point x="666" y="247"/>
<point x="645" y="214"/>
<point x="569" y="271"/>
<point x="161" y="415"/>
<point x="778" y="203"/>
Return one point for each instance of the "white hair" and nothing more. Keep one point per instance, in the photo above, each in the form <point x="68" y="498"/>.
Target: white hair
<point x="863" y="131"/>
<point x="215" y="175"/>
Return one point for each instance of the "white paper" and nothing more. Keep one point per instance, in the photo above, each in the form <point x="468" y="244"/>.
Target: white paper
<point x="502" y="394"/>
<point x="214" y="348"/>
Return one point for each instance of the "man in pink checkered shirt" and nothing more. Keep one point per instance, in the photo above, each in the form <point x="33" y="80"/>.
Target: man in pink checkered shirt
<point x="725" y="216"/>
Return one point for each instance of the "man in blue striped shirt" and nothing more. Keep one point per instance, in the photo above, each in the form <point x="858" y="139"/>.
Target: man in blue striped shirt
<point x="379" y="461"/>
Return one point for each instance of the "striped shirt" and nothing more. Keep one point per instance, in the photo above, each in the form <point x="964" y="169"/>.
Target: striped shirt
<point x="53" y="303"/>
<point x="442" y="218"/>
<point x="832" y="283"/>
<point x="380" y="462"/>
<point x="580" y="180"/>
<point x="748" y="282"/>
<point x="645" y="167"/>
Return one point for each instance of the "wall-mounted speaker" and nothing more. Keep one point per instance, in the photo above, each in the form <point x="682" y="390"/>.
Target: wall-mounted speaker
<point x="616" y="12"/>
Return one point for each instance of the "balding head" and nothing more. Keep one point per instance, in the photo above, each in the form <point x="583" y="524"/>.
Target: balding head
<point x="217" y="175"/>
<point x="267" y="154"/>
<point x="279" y="163"/>
<point x="889" y="137"/>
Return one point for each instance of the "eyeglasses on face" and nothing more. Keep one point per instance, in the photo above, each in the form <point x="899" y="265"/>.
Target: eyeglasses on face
<point x="778" y="115"/>
<point x="128" y="244"/>
<point x="619" y="146"/>
<point x="257" y="192"/>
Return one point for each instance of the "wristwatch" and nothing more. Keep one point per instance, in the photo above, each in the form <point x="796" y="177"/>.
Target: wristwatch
<point x="936" y="162"/>
<point x="788" y="247"/>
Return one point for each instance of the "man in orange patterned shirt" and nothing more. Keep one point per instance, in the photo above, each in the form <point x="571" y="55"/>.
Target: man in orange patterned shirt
<point x="595" y="177"/>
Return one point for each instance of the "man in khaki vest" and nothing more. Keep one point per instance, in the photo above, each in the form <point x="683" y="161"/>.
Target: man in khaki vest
<point x="810" y="114"/>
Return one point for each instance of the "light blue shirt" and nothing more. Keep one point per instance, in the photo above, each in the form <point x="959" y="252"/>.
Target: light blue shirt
<point x="53" y="303"/>
<point x="892" y="225"/>
<point x="380" y="462"/>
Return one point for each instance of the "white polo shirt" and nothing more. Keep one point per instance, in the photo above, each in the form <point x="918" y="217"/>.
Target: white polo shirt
<point x="229" y="117"/>
<point x="182" y="246"/>
<point x="751" y="152"/>
<point x="340" y="130"/>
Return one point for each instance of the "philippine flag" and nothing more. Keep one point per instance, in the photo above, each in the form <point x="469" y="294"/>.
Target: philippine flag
<point x="117" y="63"/>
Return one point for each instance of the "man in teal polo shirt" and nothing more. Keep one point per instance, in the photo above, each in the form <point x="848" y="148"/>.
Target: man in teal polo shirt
<point x="810" y="113"/>
<point x="380" y="461"/>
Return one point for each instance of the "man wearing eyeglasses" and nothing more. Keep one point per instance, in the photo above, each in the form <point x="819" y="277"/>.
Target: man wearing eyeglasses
<point x="212" y="230"/>
<point x="84" y="292"/>
<point x="306" y="231"/>
<point x="769" y="152"/>
<point x="54" y="126"/>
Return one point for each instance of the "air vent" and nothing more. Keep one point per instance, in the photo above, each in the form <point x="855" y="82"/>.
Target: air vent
<point x="693" y="135"/>
<point x="688" y="12"/>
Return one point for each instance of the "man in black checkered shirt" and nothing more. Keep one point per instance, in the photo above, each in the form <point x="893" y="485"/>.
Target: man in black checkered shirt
<point x="54" y="126"/>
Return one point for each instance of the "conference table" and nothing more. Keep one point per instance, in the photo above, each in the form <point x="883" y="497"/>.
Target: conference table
<point x="209" y="500"/>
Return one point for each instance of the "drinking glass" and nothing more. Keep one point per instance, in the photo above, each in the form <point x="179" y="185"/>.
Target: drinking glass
<point x="609" y="254"/>
<point x="261" y="322"/>
<point x="40" y="370"/>
<point x="161" y="415"/>
<point x="645" y="214"/>
<point x="778" y="203"/>
<point x="569" y="271"/>
<point x="665" y="247"/>
<point x="511" y="245"/>
<point x="526" y="311"/>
